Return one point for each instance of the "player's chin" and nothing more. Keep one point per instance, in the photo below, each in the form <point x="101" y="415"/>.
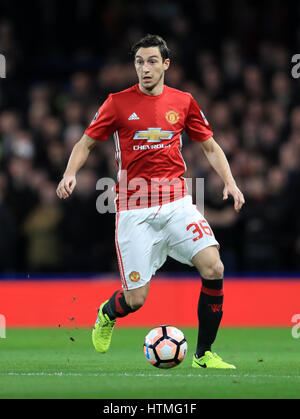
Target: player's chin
<point x="150" y="88"/>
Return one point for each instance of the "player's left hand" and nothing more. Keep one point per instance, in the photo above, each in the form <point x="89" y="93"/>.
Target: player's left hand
<point x="232" y="189"/>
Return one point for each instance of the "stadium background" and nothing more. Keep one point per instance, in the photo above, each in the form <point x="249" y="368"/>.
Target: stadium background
<point x="58" y="258"/>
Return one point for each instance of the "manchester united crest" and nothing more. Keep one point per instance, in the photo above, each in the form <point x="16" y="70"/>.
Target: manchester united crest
<point x="172" y="117"/>
<point x="134" y="276"/>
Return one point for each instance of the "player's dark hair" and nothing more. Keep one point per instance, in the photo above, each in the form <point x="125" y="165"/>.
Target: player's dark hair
<point x="152" y="41"/>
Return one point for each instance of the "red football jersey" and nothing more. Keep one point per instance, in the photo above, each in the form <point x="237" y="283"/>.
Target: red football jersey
<point x="147" y="133"/>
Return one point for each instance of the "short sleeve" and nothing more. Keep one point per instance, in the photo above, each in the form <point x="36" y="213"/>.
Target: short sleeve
<point x="196" y="124"/>
<point x="104" y="122"/>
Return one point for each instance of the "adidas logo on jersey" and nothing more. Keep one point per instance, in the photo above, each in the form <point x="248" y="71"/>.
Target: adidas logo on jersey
<point x="133" y="117"/>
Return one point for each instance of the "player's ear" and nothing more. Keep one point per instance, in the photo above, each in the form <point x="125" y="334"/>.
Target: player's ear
<point x="167" y="63"/>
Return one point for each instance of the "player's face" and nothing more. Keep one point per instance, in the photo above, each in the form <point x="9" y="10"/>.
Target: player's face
<point x="150" y="67"/>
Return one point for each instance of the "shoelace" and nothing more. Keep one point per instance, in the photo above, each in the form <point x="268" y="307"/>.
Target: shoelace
<point x="109" y="324"/>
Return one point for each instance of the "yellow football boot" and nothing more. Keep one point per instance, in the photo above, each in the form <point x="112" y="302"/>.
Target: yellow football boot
<point x="102" y="332"/>
<point x="211" y="360"/>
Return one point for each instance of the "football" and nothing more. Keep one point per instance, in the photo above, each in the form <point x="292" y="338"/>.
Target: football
<point x="165" y="346"/>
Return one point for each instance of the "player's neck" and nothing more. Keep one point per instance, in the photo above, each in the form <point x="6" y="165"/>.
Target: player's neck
<point x="156" y="91"/>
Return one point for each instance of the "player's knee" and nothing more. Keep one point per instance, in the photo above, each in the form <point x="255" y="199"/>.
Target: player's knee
<point x="136" y="303"/>
<point x="137" y="297"/>
<point x="214" y="270"/>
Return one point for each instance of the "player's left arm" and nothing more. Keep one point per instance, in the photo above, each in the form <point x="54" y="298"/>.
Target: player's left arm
<point x="219" y="162"/>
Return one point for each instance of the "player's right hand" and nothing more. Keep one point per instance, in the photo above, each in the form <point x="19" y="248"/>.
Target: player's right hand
<point x="66" y="186"/>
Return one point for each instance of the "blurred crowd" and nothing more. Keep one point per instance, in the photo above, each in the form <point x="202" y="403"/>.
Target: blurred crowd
<point x="240" y="76"/>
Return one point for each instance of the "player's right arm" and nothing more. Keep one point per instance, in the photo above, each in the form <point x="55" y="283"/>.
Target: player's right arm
<point x="101" y="127"/>
<point x="78" y="157"/>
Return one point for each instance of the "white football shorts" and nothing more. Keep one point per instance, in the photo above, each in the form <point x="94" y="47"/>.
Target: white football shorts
<point x="145" y="237"/>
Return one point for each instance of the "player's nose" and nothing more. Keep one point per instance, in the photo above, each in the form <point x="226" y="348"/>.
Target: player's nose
<point x="145" y="69"/>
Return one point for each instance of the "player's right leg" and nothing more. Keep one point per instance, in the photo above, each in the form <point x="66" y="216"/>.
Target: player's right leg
<point x="120" y="304"/>
<point x="136" y="243"/>
<point x="124" y="302"/>
<point x="102" y="331"/>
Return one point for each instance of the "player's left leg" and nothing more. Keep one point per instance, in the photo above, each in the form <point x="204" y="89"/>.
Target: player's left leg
<point x="210" y="307"/>
<point x="191" y="241"/>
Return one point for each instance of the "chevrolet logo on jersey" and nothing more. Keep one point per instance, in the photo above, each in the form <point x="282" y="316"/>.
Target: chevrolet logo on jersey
<point x="153" y="135"/>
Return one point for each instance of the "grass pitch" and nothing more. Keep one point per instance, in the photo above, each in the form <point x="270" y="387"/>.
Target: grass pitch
<point x="62" y="363"/>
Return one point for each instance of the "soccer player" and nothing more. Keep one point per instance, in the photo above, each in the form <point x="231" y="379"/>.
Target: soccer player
<point x="146" y="121"/>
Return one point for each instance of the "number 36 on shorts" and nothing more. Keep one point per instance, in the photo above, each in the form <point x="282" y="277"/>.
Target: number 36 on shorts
<point x="199" y="229"/>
